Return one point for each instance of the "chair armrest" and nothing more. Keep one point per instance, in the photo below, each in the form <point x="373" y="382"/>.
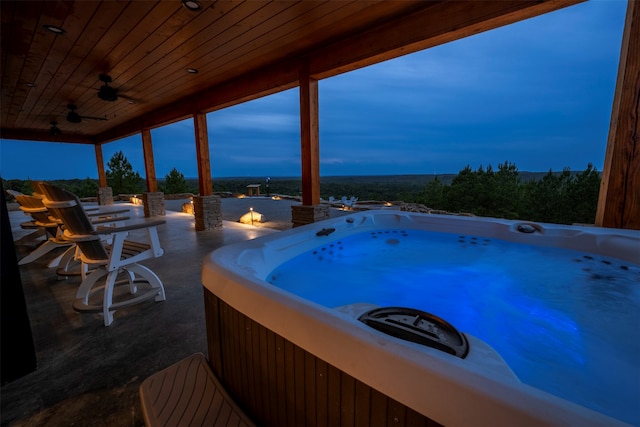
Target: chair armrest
<point x="47" y="224"/>
<point x="109" y="220"/>
<point x="79" y="237"/>
<point x="29" y="210"/>
<point x="99" y="212"/>
<point x="131" y="225"/>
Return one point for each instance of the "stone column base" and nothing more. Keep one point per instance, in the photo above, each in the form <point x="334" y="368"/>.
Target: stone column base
<point x="105" y="196"/>
<point x="153" y="204"/>
<point x="208" y="212"/>
<point x="307" y="214"/>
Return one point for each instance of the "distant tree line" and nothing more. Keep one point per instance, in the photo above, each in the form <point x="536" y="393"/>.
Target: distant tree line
<point x="557" y="197"/>
<point x="87" y="187"/>
<point x="564" y="198"/>
<point x="120" y="177"/>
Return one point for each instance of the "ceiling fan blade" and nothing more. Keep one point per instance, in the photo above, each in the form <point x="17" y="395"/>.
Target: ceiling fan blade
<point x="129" y="99"/>
<point x="110" y="93"/>
<point x="93" y="118"/>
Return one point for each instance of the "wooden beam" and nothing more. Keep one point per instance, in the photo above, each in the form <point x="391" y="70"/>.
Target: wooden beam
<point x="309" y="137"/>
<point x="205" y="182"/>
<point x="619" y="199"/>
<point x="149" y="164"/>
<point x="102" y="176"/>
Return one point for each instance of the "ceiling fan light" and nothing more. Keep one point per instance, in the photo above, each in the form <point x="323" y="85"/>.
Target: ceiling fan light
<point x="54" y="29"/>
<point x="192" y="4"/>
<point x="73" y="117"/>
<point x="107" y="93"/>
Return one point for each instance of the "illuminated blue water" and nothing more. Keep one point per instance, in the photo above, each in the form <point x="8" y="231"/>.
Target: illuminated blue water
<point x="566" y="322"/>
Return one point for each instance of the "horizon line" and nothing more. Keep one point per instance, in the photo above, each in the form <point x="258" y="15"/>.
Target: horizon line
<point x="300" y="177"/>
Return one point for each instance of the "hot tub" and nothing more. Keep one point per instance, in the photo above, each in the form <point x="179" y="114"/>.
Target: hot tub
<point x="301" y="360"/>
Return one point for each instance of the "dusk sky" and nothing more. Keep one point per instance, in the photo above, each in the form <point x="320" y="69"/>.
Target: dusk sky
<point x="536" y="93"/>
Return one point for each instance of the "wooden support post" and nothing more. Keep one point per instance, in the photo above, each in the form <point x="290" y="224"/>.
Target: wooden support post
<point x="105" y="194"/>
<point x="619" y="199"/>
<point x="207" y="208"/>
<point x="202" y="151"/>
<point x="102" y="176"/>
<point x="309" y="136"/>
<point x="149" y="164"/>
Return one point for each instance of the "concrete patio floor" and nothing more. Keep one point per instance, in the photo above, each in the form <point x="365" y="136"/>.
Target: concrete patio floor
<point x="89" y="374"/>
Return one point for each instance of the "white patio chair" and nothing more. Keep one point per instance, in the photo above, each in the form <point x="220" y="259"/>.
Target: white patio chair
<point x="33" y="207"/>
<point x="105" y="262"/>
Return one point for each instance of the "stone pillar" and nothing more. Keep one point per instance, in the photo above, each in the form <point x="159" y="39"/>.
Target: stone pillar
<point x="307" y="214"/>
<point x="105" y="196"/>
<point x="153" y="204"/>
<point x="208" y="212"/>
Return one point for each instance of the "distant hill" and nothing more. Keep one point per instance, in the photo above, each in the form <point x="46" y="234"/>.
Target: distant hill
<point x="410" y="180"/>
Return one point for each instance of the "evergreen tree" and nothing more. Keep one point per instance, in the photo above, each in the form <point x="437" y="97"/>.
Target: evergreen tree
<point x="545" y="199"/>
<point x="88" y="188"/>
<point x="23" y="187"/>
<point x="462" y="191"/>
<point x="507" y="194"/>
<point x="175" y="183"/>
<point x="434" y="195"/>
<point x="483" y="199"/>
<point x="582" y="196"/>
<point x="121" y="177"/>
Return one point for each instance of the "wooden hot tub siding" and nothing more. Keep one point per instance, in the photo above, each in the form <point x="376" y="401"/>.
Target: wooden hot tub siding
<point x="279" y="384"/>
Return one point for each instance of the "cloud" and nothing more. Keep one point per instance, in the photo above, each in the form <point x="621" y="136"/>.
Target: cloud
<point x="262" y="159"/>
<point x="275" y="113"/>
<point x="333" y="161"/>
<point x="263" y="122"/>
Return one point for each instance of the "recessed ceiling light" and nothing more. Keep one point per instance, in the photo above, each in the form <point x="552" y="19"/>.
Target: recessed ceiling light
<point x="29" y="84"/>
<point x="54" y="29"/>
<point x="192" y="70"/>
<point x="191" y="4"/>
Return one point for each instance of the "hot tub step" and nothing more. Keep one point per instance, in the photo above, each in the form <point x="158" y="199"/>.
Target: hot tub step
<point x="417" y="326"/>
<point x="188" y="394"/>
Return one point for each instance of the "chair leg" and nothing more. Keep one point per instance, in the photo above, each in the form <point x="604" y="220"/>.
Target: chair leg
<point x="136" y="273"/>
<point x="132" y="281"/>
<point x="107" y="301"/>
<point x="84" y="290"/>
<point x="84" y="271"/>
<point x="150" y="277"/>
<point x="41" y="250"/>
<point x="65" y="262"/>
<point x="131" y="270"/>
<point x="33" y="238"/>
<point x="56" y="261"/>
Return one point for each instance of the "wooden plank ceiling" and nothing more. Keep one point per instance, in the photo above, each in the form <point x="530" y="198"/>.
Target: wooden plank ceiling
<point x="242" y="50"/>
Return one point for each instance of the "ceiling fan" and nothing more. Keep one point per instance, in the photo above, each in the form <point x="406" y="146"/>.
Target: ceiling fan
<point x="74" y="117"/>
<point x="55" y="130"/>
<point x="109" y="93"/>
